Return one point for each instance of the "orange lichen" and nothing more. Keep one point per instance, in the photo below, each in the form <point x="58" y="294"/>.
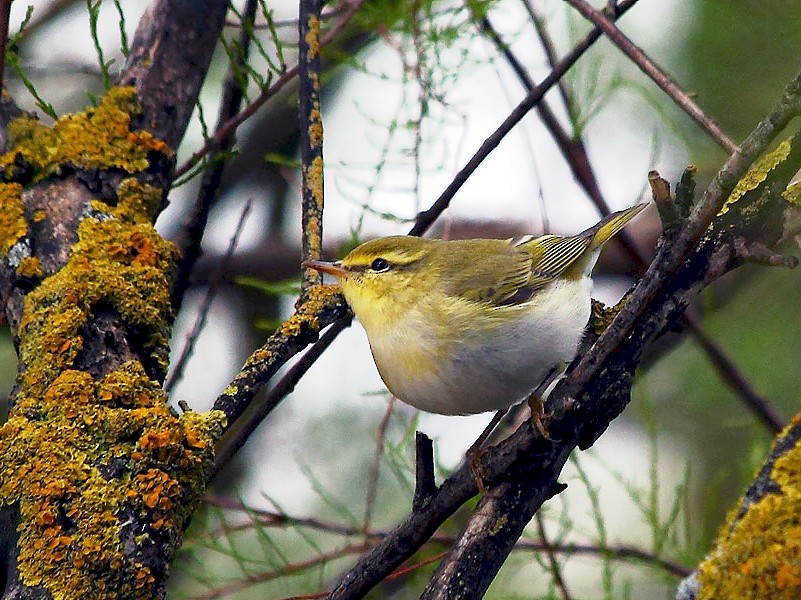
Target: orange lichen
<point x="315" y="127"/>
<point x="313" y="37"/>
<point x="314" y="181"/>
<point x="758" y="553"/>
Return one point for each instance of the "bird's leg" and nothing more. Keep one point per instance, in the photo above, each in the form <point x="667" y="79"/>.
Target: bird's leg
<point x="535" y="402"/>
<point x="475" y="452"/>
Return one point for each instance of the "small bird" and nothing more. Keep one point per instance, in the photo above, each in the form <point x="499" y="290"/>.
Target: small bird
<point x="468" y="326"/>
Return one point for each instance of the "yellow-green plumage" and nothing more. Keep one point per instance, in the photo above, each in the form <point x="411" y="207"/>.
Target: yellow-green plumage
<point x="466" y="326"/>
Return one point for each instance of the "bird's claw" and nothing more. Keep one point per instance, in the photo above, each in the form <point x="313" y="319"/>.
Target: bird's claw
<point x="539" y="417"/>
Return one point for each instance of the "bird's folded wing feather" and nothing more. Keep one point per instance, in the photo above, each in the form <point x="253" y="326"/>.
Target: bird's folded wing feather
<point x="506" y="273"/>
<point x="487" y="271"/>
<point x="552" y="255"/>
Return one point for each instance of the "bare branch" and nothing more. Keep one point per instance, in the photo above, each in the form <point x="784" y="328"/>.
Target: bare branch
<point x="168" y="60"/>
<point x="203" y="310"/>
<point x="426" y="218"/>
<point x="657" y="75"/>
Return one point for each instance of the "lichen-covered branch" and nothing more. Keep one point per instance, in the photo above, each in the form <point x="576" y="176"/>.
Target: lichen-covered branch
<point x="757" y="552"/>
<point x="97" y="476"/>
<point x="102" y="476"/>
<point x="321" y="306"/>
<point x="311" y="138"/>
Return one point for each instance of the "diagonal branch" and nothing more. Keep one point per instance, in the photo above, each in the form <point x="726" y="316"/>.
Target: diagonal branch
<point x="657" y="75"/>
<point x="426" y="218"/>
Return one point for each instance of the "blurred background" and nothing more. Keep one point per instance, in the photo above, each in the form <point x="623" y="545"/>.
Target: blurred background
<point x="411" y="89"/>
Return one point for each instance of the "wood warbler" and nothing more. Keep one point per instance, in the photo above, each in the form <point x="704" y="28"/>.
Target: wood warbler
<point x="467" y="326"/>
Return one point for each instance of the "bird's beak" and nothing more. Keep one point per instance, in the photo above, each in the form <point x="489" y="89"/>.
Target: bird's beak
<point x="332" y="268"/>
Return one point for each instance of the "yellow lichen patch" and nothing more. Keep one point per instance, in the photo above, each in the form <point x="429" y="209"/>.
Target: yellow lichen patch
<point x="97" y="138"/>
<point x="760" y="555"/>
<point x="313" y="37"/>
<point x="314" y="181"/>
<point x="315" y="130"/>
<point x="757" y="174"/>
<point x="793" y="194"/>
<point x="122" y="265"/>
<point x="12" y="216"/>
<point x="601" y="316"/>
<point x="29" y="267"/>
<point x="306" y="317"/>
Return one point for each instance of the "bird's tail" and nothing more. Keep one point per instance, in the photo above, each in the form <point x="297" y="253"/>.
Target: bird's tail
<point x="611" y="224"/>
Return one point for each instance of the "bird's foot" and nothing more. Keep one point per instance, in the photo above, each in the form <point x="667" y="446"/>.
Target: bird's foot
<point x="539" y="418"/>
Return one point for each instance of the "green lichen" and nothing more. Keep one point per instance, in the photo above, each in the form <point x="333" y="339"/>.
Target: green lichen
<point x="97" y="138"/>
<point x="83" y="456"/>
<point x="758" y="555"/>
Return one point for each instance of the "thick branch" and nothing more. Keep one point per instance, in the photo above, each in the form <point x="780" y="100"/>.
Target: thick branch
<point x="168" y="61"/>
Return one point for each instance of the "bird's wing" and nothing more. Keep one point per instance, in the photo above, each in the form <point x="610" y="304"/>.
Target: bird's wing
<point x="552" y="255"/>
<point x="488" y="271"/>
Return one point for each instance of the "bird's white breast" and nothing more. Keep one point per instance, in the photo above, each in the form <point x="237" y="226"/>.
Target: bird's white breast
<point x="480" y="362"/>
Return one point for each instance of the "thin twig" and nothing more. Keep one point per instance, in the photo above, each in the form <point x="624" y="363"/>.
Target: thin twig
<point x="556" y="570"/>
<point x="230" y="126"/>
<point x="278" y="519"/>
<point x="203" y="311"/>
<point x="375" y="467"/>
<point x="311" y="139"/>
<point x="190" y="235"/>
<point x="278" y="23"/>
<point x="657" y="75"/>
<point x="550" y="52"/>
<point x="287" y="570"/>
<point x="737" y="382"/>
<point x="426" y="218"/>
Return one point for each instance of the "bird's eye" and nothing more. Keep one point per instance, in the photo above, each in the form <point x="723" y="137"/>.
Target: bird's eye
<point x="379" y="265"/>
